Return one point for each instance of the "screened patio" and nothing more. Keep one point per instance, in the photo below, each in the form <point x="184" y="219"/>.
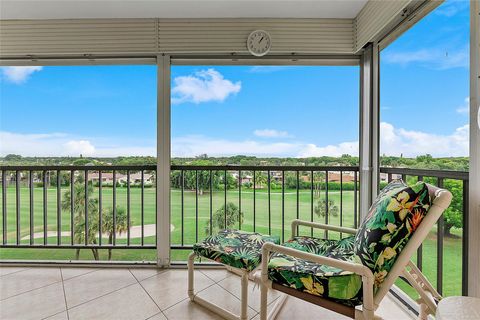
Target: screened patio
<point x="152" y="283"/>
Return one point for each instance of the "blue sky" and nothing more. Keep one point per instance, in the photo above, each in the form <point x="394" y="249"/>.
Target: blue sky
<point x="264" y="111"/>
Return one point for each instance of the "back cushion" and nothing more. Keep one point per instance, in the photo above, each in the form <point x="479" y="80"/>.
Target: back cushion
<point x="392" y="219"/>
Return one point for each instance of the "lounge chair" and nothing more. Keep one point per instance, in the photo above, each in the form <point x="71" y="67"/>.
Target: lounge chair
<point x="351" y="276"/>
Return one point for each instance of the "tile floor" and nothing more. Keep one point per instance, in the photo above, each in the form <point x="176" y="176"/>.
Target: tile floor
<point x="138" y="293"/>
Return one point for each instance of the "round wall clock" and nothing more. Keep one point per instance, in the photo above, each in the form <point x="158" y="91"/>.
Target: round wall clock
<point x="259" y="43"/>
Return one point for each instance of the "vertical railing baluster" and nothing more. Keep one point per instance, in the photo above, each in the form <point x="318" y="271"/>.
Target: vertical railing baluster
<point x="45" y="221"/>
<point x="17" y="205"/>
<point x="4" y="207"/>
<point x="355" y="200"/>
<point x="86" y="207"/>
<point x="298" y="197"/>
<point x="341" y="202"/>
<point x="269" y="204"/>
<point x="100" y="211"/>
<point x="311" y="201"/>
<point x="225" y="193"/>
<point x="196" y="206"/>
<point x="72" y="208"/>
<point x="182" y="177"/>
<point x="440" y="229"/>
<point x="326" y="203"/>
<point x="114" y="200"/>
<point x="142" y="207"/>
<point x="283" y="206"/>
<point x="30" y="190"/>
<point x="128" y="207"/>
<point x="254" y="198"/>
<point x="389" y="177"/>
<point x="211" y="200"/>
<point x="240" y="199"/>
<point x="465" y="244"/>
<point x="59" y="209"/>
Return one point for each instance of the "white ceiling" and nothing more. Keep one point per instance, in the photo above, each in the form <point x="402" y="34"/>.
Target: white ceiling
<point x="71" y="9"/>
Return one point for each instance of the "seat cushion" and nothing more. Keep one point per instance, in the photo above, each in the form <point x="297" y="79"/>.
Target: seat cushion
<point x="320" y="280"/>
<point x="238" y="249"/>
<point x="392" y="219"/>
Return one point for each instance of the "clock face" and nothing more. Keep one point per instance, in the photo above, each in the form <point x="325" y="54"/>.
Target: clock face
<point x="259" y="43"/>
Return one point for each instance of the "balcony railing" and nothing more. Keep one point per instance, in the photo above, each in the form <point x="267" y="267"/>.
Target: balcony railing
<point x="44" y="207"/>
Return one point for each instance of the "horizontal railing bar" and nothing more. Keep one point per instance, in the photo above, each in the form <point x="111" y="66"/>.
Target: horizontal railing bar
<point x="264" y="168"/>
<point x="446" y="174"/>
<point x="79" y="246"/>
<point x="80" y="168"/>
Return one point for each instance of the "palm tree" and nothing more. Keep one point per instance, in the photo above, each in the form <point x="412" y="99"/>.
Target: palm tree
<point x="121" y="224"/>
<point x="79" y="215"/>
<point x="260" y="179"/>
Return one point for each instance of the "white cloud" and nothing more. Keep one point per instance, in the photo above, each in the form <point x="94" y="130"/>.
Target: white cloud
<point x="394" y="141"/>
<point x="195" y="145"/>
<point x="83" y="147"/>
<point x="435" y="58"/>
<point x="311" y="150"/>
<point x="203" y="86"/>
<point x="19" y="74"/>
<point x="61" y="144"/>
<point x="410" y="143"/>
<point x="465" y="108"/>
<point x="270" y="133"/>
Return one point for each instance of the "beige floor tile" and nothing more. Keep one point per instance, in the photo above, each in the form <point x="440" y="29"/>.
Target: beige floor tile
<point x="390" y="310"/>
<point x="170" y="287"/>
<point x="131" y="302"/>
<point x="33" y="278"/>
<point x="36" y="304"/>
<point x="94" y="284"/>
<point x="187" y="310"/>
<point x="59" y="316"/>
<point x="221" y="297"/>
<point x="68" y="273"/>
<point x="298" y="309"/>
<point x="158" y="316"/>
<point x="7" y="270"/>
<point x="216" y="274"/>
<point x="232" y="285"/>
<point x="144" y="273"/>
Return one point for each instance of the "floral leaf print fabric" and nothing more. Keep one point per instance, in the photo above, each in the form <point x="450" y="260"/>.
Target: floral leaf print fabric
<point x="319" y="280"/>
<point x="239" y="249"/>
<point x="389" y="225"/>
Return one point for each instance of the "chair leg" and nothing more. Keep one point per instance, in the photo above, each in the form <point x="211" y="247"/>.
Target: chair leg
<point x="244" y="300"/>
<point x="191" y="293"/>
<point x="263" y="300"/>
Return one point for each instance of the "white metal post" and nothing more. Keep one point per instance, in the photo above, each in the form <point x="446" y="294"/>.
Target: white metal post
<point x="474" y="176"/>
<point x="163" y="161"/>
<point x="369" y="127"/>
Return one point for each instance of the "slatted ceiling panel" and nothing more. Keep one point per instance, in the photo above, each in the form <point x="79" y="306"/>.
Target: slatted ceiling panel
<point x="82" y="36"/>
<point x="374" y="17"/>
<point x="230" y="35"/>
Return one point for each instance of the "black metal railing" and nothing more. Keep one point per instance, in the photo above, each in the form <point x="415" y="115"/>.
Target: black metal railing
<point x="259" y="198"/>
<point x="76" y="207"/>
<point x="457" y="183"/>
<point x="61" y="206"/>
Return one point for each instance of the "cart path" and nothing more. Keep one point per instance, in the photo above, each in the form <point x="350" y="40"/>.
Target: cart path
<point x="135" y="232"/>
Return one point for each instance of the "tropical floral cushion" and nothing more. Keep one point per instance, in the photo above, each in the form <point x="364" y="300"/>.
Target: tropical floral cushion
<point x="316" y="279"/>
<point x="239" y="249"/>
<point x="392" y="219"/>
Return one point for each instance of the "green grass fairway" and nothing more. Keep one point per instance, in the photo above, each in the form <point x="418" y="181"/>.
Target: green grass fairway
<point x="191" y="230"/>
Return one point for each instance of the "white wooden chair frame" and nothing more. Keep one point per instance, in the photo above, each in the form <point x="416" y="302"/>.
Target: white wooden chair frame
<point x="403" y="266"/>
<point x="244" y="277"/>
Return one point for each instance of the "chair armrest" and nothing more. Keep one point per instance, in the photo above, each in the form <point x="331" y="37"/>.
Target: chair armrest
<point x="322" y="226"/>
